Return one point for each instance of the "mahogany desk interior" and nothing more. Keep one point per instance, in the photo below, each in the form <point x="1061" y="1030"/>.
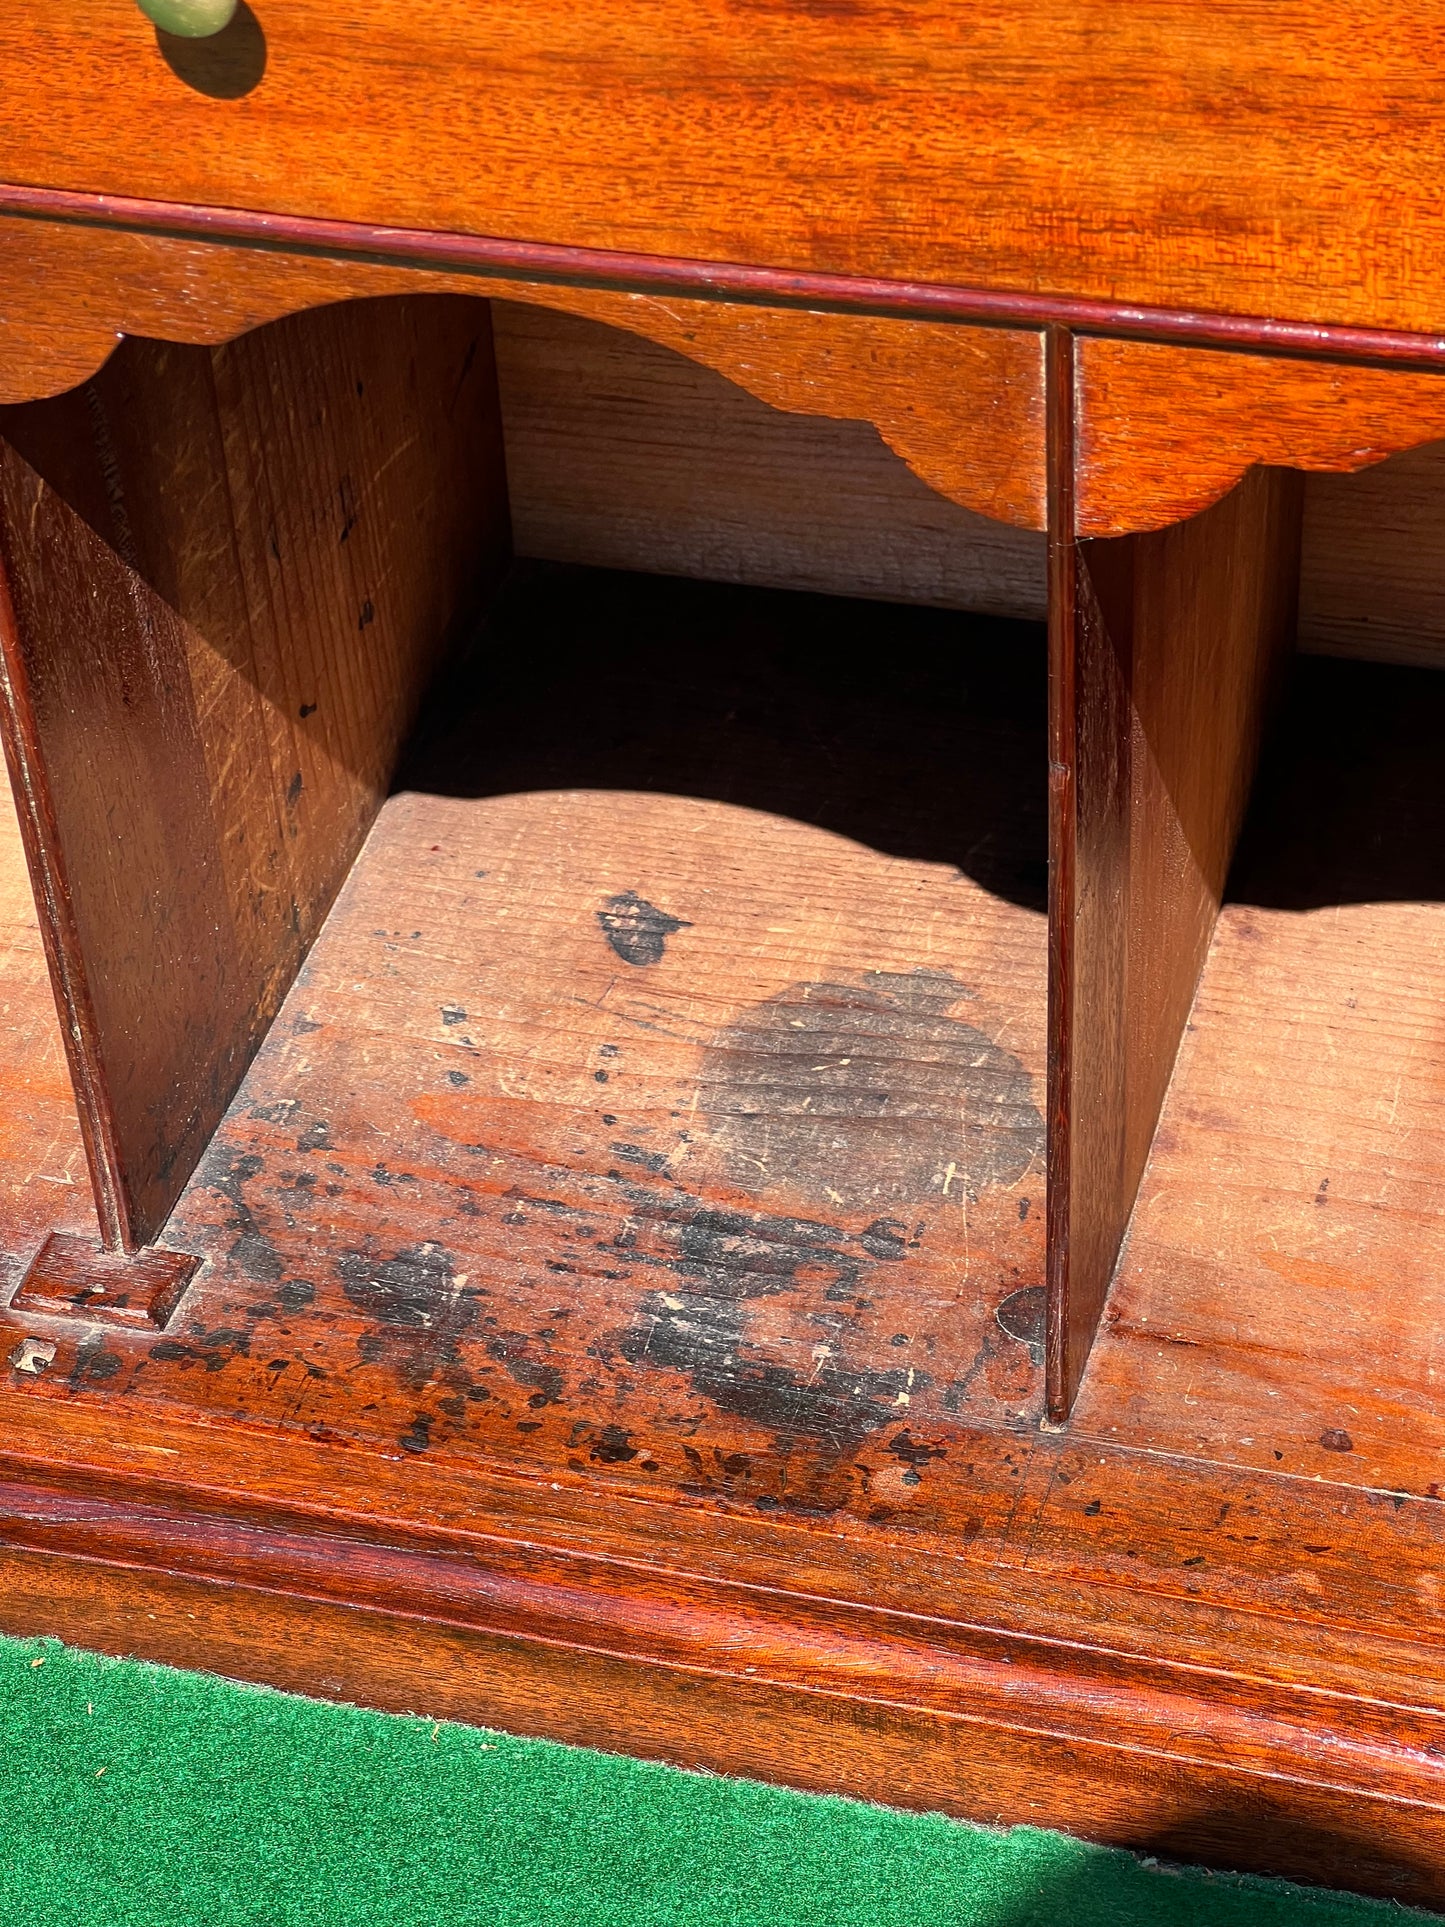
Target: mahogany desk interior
<point x="621" y="1303"/>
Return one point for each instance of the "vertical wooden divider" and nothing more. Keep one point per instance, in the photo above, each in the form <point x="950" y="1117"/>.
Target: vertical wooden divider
<point x="226" y="577"/>
<point x="1164" y="650"/>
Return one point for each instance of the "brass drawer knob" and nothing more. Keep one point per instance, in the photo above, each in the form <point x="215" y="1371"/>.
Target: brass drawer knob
<point x="190" y="19"/>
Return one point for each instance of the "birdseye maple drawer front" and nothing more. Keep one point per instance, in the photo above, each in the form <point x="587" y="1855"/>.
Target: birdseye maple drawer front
<point x="1228" y="157"/>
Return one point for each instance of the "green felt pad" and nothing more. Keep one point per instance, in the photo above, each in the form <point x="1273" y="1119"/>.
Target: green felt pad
<point x="135" y="1796"/>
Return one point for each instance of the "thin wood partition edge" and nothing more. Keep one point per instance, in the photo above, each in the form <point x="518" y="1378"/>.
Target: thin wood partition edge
<point x="40" y="834"/>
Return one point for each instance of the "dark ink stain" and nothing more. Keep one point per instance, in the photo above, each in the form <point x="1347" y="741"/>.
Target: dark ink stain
<point x="316" y="1137"/>
<point x="252" y="1251"/>
<point x="293" y="791"/>
<point x="257" y="1257"/>
<point x="457" y="1078"/>
<point x="1023" y="1210"/>
<point x="722" y="1261"/>
<point x="1093" y="1508"/>
<point x="1023" y="1315"/>
<point x="914" y="1451"/>
<point x="306" y="709"/>
<point x="413" y="1297"/>
<point x="543" y="1381"/>
<point x="884" y="1239"/>
<point x="302" y="1026"/>
<point x="277" y="1113"/>
<point x="418" y="1438"/>
<point x="1322" y="1196"/>
<point x="599" y="1077"/>
<point x="94" y="1364"/>
<point x="452" y="1015"/>
<point x="368" y="614"/>
<point x="636" y="929"/>
<point x="612" y="1446"/>
<point x="655" y="1161"/>
<point x="870" y="1093"/>
<point x="1337" y="1441"/>
<point x="295" y="1295"/>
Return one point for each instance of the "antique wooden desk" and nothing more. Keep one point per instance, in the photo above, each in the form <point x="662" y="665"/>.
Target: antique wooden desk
<point x="649" y="1269"/>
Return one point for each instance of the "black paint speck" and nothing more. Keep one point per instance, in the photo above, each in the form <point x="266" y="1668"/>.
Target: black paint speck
<point x="452" y="1015"/>
<point x="458" y="1078"/>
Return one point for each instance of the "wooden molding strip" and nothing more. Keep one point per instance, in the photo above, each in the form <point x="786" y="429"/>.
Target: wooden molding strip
<point x="486" y="255"/>
<point x="1002" y="1680"/>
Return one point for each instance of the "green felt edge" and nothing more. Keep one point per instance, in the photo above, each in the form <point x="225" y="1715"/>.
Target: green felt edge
<point x="137" y="1796"/>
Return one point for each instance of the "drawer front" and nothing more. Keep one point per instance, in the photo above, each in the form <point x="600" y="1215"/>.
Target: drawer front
<point x="1229" y="157"/>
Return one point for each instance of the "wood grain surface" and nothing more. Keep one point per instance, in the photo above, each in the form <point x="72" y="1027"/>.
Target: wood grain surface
<point x="1165" y="431"/>
<point x="1234" y="159"/>
<point x="232" y="577"/>
<point x="623" y="454"/>
<point x="1372" y="569"/>
<point x="1178" y="639"/>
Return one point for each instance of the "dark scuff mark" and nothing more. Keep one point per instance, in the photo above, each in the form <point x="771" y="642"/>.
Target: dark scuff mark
<point x="636" y="929"/>
<point x="295" y="1295"/>
<point x="869" y="1093"/>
